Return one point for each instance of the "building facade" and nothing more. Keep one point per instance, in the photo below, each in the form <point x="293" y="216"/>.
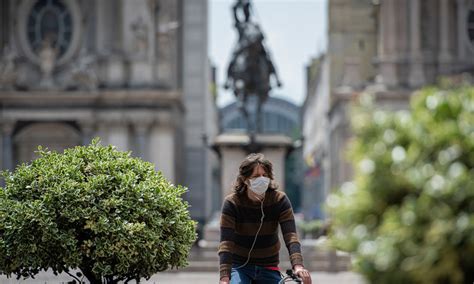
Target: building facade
<point x="389" y="48"/>
<point x="132" y="72"/>
<point x="316" y="141"/>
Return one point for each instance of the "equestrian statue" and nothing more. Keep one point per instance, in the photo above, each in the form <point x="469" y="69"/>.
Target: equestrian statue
<point x="251" y="70"/>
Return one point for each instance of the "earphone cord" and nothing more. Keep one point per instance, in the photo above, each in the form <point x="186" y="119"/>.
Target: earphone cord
<point x="256" y="235"/>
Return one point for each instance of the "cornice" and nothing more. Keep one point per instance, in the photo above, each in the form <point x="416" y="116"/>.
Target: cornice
<point x="97" y="99"/>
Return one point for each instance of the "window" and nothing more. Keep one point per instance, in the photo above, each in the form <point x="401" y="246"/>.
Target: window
<point x="470" y="23"/>
<point x="49" y="21"/>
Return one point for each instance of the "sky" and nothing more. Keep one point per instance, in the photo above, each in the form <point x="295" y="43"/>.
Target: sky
<point x="295" y="31"/>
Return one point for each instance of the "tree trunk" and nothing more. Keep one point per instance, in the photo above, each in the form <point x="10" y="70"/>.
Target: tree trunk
<point x="93" y="279"/>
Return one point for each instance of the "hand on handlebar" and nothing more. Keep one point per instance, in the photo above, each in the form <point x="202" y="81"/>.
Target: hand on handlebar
<point x="303" y="274"/>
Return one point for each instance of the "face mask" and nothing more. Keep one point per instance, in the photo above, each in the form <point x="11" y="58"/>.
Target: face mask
<point x="259" y="185"/>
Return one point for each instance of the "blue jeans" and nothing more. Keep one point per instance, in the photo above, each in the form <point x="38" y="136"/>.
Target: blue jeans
<point x="254" y="274"/>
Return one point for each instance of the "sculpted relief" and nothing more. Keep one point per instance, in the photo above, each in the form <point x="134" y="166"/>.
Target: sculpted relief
<point x="8" y="70"/>
<point x="47" y="59"/>
<point x="140" y="33"/>
<point x="46" y="52"/>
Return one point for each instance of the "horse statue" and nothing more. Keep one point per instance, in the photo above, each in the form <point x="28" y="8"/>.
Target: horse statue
<point x="250" y="70"/>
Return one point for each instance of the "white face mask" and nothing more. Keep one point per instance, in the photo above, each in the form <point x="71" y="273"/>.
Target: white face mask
<point x="259" y="185"/>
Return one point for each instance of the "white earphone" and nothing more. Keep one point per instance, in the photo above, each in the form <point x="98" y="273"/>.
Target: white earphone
<point x="256" y="235"/>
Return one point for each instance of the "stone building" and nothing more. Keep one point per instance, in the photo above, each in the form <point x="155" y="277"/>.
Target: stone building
<point x="132" y="72"/>
<point x="387" y="47"/>
<point x="316" y="140"/>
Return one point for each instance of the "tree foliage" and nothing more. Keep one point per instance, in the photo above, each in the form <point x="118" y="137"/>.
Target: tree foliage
<point x="95" y="209"/>
<point x="407" y="217"/>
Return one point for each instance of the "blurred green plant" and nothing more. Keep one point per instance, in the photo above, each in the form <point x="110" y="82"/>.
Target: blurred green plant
<point x="407" y="217"/>
<point x="95" y="209"/>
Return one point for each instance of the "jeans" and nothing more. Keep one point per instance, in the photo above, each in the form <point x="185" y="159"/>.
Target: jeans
<point x="254" y="274"/>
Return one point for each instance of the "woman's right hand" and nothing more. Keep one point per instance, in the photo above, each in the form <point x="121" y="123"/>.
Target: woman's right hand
<point x="224" y="280"/>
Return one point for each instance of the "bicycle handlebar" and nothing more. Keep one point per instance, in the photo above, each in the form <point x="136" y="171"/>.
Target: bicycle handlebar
<point x="291" y="276"/>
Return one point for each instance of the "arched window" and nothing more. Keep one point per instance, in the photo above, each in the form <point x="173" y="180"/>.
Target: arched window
<point x="51" y="135"/>
<point x="470" y="23"/>
<point x="50" y="22"/>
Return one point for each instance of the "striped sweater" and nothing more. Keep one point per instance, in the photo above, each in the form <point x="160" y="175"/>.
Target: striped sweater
<point x="240" y="220"/>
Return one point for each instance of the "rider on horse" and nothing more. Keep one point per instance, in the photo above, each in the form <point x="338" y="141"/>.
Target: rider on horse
<point x="251" y="66"/>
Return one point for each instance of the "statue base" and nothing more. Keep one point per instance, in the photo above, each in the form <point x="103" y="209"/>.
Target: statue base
<point x="232" y="149"/>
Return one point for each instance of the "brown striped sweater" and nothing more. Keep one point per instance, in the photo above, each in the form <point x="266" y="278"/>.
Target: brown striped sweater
<point x="240" y="220"/>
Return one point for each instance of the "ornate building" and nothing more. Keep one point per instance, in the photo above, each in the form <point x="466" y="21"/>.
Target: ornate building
<point x="315" y="130"/>
<point x="133" y="72"/>
<point x="387" y="47"/>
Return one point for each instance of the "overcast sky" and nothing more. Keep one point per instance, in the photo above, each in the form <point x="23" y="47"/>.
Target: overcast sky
<point x="295" y="31"/>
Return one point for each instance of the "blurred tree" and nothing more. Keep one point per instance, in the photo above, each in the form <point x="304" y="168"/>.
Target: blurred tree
<point x="95" y="209"/>
<point x="407" y="217"/>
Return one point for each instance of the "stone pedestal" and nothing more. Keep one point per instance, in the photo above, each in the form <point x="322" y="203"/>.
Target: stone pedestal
<point x="232" y="149"/>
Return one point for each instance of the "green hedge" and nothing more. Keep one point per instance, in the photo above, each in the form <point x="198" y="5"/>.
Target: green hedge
<point x="407" y="217"/>
<point x="95" y="209"/>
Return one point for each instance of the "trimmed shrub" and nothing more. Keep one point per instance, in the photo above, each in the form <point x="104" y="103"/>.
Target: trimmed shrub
<point x="95" y="209"/>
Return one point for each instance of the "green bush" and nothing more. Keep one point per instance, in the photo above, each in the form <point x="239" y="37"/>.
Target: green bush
<point x="95" y="209"/>
<point x="407" y="217"/>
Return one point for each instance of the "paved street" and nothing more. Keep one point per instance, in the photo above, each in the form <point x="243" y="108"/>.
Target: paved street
<point x="206" y="278"/>
<point x="197" y="278"/>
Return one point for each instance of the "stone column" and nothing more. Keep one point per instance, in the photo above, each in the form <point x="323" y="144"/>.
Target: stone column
<point x="118" y="134"/>
<point x="387" y="44"/>
<point x="417" y="75"/>
<point x="162" y="147"/>
<point x="136" y="37"/>
<point x="167" y="43"/>
<point x="7" y="145"/>
<point x="461" y="15"/>
<point x="142" y="131"/>
<point x="231" y="157"/>
<point x="444" y="55"/>
<point x="102" y="132"/>
<point x="87" y="131"/>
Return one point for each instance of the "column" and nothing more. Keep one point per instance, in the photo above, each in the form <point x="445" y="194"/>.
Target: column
<point x="87" y="132"/>
<point x="461" y="15"/>
<point x="387" y="34"/>
<point x="7" y="145"/>
<point x="108" y="40"/>
<point x="231" y="157"/>
<point x="444" y="56"/>
<point x="141" y="131"/>
<point x="4" y="23"/>
<point x="162" y="146"/>
<point x="118" y="135"/>
<point x="137" y="34"/>
<point x="416" y="76"/>
<point x="167" y="43"/>
<point x="102" y="132"/>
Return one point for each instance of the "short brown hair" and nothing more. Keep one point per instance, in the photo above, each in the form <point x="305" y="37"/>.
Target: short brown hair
<point x="246" y="169"/>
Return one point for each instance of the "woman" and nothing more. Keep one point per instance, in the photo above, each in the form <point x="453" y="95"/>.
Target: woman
<point x="249" y="247"/>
